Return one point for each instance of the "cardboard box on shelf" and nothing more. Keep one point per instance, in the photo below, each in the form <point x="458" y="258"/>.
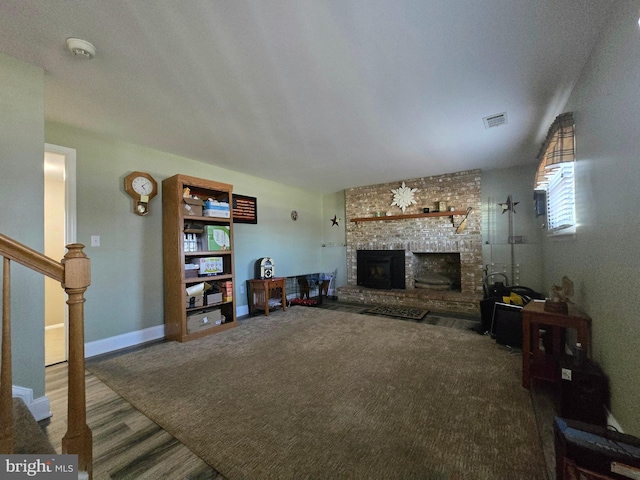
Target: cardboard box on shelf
<point x="216" y="237"/>
<point x="196" y="294"/>
<point x="213" y="208"/>
<point x="191" y="270"/>
<point x="195" y="301"/>
<point x="227" y="291"/>
<point x="192" y="206"/>
<point x="214" y="298"/>
<point x="203" y="320"/>
<point x="211" y="265"/>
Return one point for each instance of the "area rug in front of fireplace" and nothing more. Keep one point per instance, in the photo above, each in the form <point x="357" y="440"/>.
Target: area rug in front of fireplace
<point x="409" y="313"/>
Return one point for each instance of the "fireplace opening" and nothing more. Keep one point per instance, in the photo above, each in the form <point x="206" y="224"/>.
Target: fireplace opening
<point x="437" y="271"/>
<point x="382" y="269"/>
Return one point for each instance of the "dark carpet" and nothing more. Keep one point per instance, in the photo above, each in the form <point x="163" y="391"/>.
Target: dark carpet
<point x="313" y="393"/>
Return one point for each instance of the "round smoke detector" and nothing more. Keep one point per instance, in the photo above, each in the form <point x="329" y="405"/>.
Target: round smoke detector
<point x="81" y="48"/>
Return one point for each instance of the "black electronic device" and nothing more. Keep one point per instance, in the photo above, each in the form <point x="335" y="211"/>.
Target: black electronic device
<point x="590" y="448"/>
<point x="506" y="326"/>
<point x="584" y="392"/>
<point x="486" y="314"/>
<point x="495" y="293"/>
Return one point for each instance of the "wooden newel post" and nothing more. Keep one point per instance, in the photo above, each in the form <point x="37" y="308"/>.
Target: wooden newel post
<point x="77" y="277"/>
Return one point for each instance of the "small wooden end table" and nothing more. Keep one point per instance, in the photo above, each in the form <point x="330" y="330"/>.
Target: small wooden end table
<point x="537" y="363"/>
<point x="260" y="291"/>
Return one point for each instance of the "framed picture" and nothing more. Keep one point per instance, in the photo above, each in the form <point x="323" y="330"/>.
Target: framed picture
<point x="245" y="209"/>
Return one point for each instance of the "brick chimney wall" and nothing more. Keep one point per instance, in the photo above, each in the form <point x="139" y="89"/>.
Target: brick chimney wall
<point x="421" y="235"/>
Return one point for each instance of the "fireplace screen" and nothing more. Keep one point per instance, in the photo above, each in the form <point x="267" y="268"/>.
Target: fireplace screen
<point x="382" y="269"/>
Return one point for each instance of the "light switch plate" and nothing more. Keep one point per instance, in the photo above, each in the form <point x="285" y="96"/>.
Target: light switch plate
<point x="566" y="374"/>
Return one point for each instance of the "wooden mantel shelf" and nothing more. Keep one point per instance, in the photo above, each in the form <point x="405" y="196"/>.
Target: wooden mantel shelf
<point x="385" y="218"/>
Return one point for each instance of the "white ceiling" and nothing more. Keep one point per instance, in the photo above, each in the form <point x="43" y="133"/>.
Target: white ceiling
<point x="322" y="94"/>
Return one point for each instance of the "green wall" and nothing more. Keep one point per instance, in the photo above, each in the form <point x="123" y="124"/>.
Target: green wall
<point x="604" y="258"/>
<point x="127" y="276"/>
<point x="497" y="185"/>
<point x="21" y="215"/>
<point x="334" y="251"/>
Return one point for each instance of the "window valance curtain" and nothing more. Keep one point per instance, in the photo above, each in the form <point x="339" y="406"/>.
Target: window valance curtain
<point x="558" y="147"/>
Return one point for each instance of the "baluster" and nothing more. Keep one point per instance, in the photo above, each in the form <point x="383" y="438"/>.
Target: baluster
<point x="6" y="400"/>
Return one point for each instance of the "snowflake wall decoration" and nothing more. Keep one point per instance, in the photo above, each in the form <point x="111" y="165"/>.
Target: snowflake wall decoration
<point x="403" y="196"/>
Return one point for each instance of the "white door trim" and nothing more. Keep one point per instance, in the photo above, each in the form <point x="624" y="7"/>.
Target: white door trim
<point x="70" y="186"/>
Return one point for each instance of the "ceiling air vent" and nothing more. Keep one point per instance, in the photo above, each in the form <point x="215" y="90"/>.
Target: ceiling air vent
<point x="495" y="120"/>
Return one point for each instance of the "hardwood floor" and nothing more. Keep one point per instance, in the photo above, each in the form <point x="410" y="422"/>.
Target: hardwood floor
<point x="126" y="444"/>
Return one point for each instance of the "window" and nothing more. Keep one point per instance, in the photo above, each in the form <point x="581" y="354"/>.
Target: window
<point x="555" y="175"/>
<point x="561" y="200"/>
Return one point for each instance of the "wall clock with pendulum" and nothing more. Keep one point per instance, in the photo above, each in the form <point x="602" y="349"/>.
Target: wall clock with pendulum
<point x="142" y="188"/>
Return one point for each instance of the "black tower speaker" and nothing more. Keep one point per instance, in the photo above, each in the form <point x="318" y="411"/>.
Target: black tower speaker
<point x="585" y="396"/>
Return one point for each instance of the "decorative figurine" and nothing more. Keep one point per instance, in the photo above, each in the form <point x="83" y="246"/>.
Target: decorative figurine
<point x="560" y="297"/>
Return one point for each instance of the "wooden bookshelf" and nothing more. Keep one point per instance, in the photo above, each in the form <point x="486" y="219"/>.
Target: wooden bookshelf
<point x="175" y="224"/>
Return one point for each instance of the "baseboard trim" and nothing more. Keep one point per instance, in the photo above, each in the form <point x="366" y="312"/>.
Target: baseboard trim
<point x="612" y="422"/>
<point x="125" y="340"/>
<point x="131" y="339"/>
<point x="40" y="407"/>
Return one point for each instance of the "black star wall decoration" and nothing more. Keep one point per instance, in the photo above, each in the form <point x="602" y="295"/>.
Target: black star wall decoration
<point x="335" y="221"/>
<point x="508" y="205"/>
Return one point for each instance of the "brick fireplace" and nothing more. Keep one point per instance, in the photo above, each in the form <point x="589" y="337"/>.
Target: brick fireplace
<point x="432" y="248"/>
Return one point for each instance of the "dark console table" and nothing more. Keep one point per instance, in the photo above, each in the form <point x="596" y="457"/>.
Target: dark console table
<point x="544" y="365"/>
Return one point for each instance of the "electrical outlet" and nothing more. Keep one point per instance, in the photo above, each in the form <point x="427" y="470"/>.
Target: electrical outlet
<point x="241" y="288"/>
<point x="95" y="240"/>
<point x="566" y="374"/>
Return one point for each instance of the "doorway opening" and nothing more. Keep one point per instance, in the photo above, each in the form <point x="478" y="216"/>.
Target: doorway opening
<point x="59" y="231"/>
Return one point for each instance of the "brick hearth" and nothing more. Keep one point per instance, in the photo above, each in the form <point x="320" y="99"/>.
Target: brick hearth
<point x="418" y="235"/>
<point x="435" y="301"/>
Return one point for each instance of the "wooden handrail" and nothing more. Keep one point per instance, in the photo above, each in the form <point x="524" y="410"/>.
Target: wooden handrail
<point x="30" y="258"/>
<point x="74" y="274"/>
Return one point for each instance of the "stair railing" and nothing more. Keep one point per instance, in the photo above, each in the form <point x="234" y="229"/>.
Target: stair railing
<point x="74" y="274"/>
